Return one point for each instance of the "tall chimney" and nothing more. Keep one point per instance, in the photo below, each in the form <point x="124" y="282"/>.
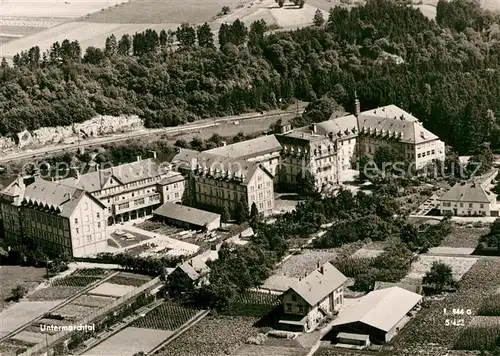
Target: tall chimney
<point x="357" y="105"/>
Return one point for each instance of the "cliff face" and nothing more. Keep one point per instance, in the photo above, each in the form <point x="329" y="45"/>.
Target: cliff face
<point x="95" y="127"/>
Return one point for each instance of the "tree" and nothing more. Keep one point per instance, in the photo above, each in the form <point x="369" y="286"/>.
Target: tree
<point x="19" y="292"/>
<point x="319" y="110"/>
<point x="93" y="55"/>
<point x="439" y="277"/>
<point x="110" y="46"/>
<point x="124" y="45"/>
<point x="241" y="212"/>
<point x="4" y="63"/>
<point x="493" y="236"/>
<point x="238" y="32"/>
<point x="280" y="2"/>
<point x="186" y="35"/>
<point x="306" y="183"/>
<point x="318" y="19"/>
<point x="225" y="10"/>
<point x="223" y="35"/>
<point x="226" y="216"/>
<point x="205" y="36"/>
<point x="254" y="212"/>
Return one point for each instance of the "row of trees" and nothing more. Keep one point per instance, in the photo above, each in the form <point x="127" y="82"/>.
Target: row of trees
<point x="447" y="75"/>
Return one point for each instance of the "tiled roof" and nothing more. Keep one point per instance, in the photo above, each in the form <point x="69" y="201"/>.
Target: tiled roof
<point x="468" y="192"/>
<point x="319" y="283"/>
<point x="172" y="177"/>
<point x="186" y="214"/>
<point x="248" y="149"/>
<point x="381" y="309"/>
<point x="58" y="198"/>
<point x="218" y="167"/>
<point x="345" y="125"/>
<point x="125" y="173"/>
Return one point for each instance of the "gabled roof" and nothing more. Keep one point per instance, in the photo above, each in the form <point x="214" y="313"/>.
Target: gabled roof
<point x="217" y="167"/>
<point x="197" y="266"/>
<point x="468" y="192"/>
<point x="186" y="214"/>
<point x="124" y="173"/>
<point x="249" y="149"/>
<point x="381" y="309"/>
<point x="319" y="283"/>
<point x="53" y="196"/>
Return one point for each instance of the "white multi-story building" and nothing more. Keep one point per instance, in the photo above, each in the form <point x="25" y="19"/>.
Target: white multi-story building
<point x="132" y="190"/>
<point x="58" y="218"/>
<point x="216" y="181"/>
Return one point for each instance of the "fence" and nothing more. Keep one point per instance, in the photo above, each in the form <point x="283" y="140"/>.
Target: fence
<point x="52" y="339"/>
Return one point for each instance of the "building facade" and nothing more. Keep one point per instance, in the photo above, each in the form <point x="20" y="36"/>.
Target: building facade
<point x="57" y="218"/>
<point x="216" y="182"/>
<point x="310" y="300"/>
<point x="132" y="190"/>
<point x="468" y="199"/>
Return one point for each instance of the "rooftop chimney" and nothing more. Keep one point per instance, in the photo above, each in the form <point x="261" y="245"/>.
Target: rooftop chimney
<point x="313" y="128"/>
<point x="139" y="158"/>
<point x="224" y="143"/>
<point x="357" y="105"/>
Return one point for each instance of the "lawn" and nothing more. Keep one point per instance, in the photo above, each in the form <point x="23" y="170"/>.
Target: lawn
<point x="305" y="262"/>
<point x="464" y="237"/>
<point x="168" y="316"/>
<point x="429" y="325"/>
<point x="459" y="266"/>
<point x="12" y="276"/>
<point x="212" y="336"/>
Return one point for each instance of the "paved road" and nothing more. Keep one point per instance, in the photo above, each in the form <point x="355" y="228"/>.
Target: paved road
<point x="21" y="155"/>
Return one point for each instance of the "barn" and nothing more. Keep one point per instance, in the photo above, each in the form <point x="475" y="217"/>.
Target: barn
<point x="381" y="314"/>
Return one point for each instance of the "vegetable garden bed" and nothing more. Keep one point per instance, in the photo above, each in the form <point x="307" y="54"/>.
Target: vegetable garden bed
<point x="93" y="301"/>
<point x="212" y="336"/>
<point x="254" y="304"/>
<point x="128" y="281"/>
<point x="168" y="316"/>
<point x="54" y="293"/>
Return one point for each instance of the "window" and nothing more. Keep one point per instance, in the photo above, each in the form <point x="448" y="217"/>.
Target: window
<point x="294" y="297"/>
<point x="89" y="238"/>
<point x="261" y="205"/>
<point x="86" y="206"/>
<point x="77" y="230"/>
<point x="76" y="220"/>
<point x="433" y="151"/>
<point x="176" y="195"/>
<point x="461" y="205"/>
<point x="482" y="206"/>
<point x="447" y="204"/>
<point x="470" y="205"/>
<point x="301" y="309"/>
<point x="289" y="308"/>
<point x="98" y="215"/>
<point x="99" y="224"/>
<point x="419" y="155"/>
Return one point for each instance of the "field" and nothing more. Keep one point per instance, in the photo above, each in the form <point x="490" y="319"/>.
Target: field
<point x="459" y="266"/>
<point x="212" y="336"/>
<point x="72" y="312"/>
<point x="129" y="280"/>
<point x="128" y="342"/>
<point x="23" y="312"/>
<point x="12" y="276"/>
<point x="168" y="316"/>
<point x="88" y="34"/>
<point x="258" y="350"/>
<point x="54" y="293"/>
<point x="93" y="301"/>
<point x="464" y="237"/>
<point x="53" y="8"/>
<point x="254" y="304"/>
<point x="162" y="11"/>
<point x="429" y="325"/>
<point x="111" y="290"/>
<point x="305" y="262"/>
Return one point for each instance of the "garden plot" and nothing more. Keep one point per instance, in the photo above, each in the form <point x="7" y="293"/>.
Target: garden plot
<point x="72" y="312"/>
<point x="129" y="342"/>
<point x="30" y="337"/>
<point x="54" y="293"/>
<point x="464" y="237"/>
<point x="93" y="301"/>
<point x="459" y="266"/>
<point x="168" y="316"/>
<point x="128" y="279"/>
<point x="22" y="312"/>
<point x="111" y="290"/>
<point x="305" y="262"/>
<point x="212" y="336"/>
<point x="366" y="253"/>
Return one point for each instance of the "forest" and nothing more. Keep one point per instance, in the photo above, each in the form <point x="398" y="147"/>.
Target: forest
<point x="445" y="72"/>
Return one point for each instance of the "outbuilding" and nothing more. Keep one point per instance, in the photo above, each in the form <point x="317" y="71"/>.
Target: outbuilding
<point x="187" y="217"/>
<point x="381" y="314"/>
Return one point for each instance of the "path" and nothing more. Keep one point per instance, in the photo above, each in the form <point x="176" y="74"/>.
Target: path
<point x="20" y="155"/>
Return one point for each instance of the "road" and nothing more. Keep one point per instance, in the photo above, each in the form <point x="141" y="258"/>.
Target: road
<point x="40" y="152"/>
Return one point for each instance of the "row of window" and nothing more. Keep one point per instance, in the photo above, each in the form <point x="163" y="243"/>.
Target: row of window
<point x="471" y="205"/>
<point x="124" y="187"/>
<point x="428" y="153"/>
<point x="88" y="239"/>
<point x="87" y="228"/>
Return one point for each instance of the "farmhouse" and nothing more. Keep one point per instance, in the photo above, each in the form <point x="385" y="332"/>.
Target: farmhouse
<point x="468" y="199"/>
<point x="380" y="314"/>
<point x="194" y="271"/>
<point x="187" y="217"/>
<point x="306" y="303"/>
